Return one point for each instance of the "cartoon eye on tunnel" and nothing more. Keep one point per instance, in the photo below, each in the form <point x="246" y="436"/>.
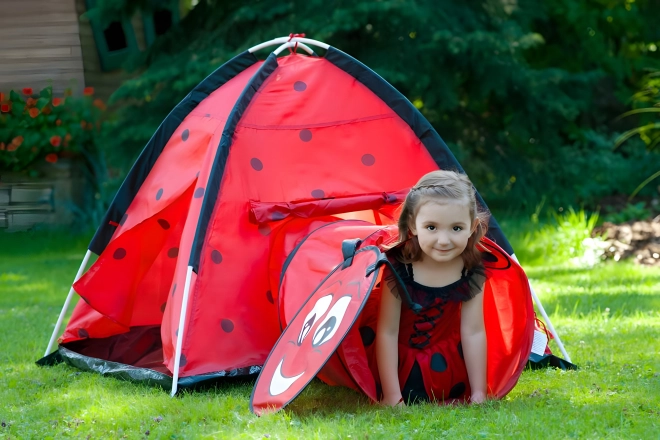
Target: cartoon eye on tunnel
<point x="328" y="327"/>
<point x="318" y="311"/>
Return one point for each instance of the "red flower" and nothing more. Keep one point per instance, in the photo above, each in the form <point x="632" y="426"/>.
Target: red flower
<point x="58" y="122"/>
<point x="27" y="91"/>
<point x="57" y="101"/>
<point x="31" y="102"/>
<point x="99" y="104"/>
<point x="12" y="147"/>
<point x="18" y="140"/>
<point x="51" y="158"/>
<point x="34" y="112"/>
<point x="2" y="146"/>
<point x="67" y="137"/>
<point x="5" y="108"/>
<point x="46" y="110"/>
<point x="2" y="96"/>
<point x="88" y="91"/>
<point x="55" y="141"/>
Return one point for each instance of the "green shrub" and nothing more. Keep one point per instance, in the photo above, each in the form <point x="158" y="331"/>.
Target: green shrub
<point x="565" y="238"/>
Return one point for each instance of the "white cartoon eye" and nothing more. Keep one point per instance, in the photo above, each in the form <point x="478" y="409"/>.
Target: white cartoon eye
<point x="319" y="309"/>
<point x="328" y="327"/>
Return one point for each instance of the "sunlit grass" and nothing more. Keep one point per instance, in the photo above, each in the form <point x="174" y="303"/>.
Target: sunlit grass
<point x="608" y="317"/>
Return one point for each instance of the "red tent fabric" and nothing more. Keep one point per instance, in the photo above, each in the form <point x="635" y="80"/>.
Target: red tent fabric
<point x="256" y="157"/>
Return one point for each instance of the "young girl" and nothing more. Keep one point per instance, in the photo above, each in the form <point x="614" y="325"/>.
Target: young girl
<point x="439" y="353"/>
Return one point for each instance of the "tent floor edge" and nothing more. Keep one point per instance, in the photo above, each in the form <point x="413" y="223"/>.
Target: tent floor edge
<point x="145" y="375"/>
<point x="537" y="362"/>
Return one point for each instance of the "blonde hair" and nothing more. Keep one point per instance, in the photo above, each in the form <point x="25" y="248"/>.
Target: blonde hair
<point x="441" y="185"/>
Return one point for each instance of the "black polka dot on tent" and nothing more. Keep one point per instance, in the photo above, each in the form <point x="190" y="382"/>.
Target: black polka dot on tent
<point x="264" y="229"/>
<point x="123" y="219"/>
<point x="163" y="223"/>
<point x="197" y="175"/>
<point x="216" y="256"/>
<point x="159" y="194"/>
<point x="391" y="198"/>
<point x="269" y="297"/>
<point x="256" y="164"/>
<point x="368" y="335"/>
<point x="173" y="252"/>
<point x="305" y="135"/>
<point x="318" y="193"/>
<point x="438" y="363"/>
<point x="185" y="134"/>
<point x="199" y="193"/>
<point x="368" y="160"/>
<point x="119" y="253"/>
<point x="182" y="360"/>
<point x="162" y="307"/>
<point x="173" y="290"/>
<point x="459" y="347"/>
<point x="491" y="258"/>
<point x="83" y="333"/>
<point x="457" y="390"/>
<point x="227" y="325"/>
<point x="176" y="332"/>
<point x="299" y="86"/>
<point x="208" y="115"/>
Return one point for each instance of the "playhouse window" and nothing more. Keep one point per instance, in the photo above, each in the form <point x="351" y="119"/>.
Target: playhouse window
<point x="115" y="37"/>
<point x="160" y="19"/>
<point x="114" y="42"/>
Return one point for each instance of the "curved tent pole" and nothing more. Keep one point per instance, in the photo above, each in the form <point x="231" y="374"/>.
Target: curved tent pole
<point x="537" y="301"/>
<point x="56" y="330"/>
<point x="180" y="331"/>
<point x="282" y="40"/>
<point x="293" y="44"/>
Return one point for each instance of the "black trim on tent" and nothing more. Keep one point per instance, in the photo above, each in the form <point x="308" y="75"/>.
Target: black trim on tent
<point x="439" y="151"/>
<point x="154" y="147"/>
<point x="220" y="161"/>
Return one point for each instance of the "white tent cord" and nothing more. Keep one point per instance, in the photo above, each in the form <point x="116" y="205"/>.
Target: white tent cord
<point x="56" y="331"/>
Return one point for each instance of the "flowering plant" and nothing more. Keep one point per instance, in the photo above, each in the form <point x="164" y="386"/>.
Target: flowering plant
<point x="38" y="127"/>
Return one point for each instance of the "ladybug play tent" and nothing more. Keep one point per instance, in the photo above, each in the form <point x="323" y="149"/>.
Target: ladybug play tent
<point x="236" y="211"/>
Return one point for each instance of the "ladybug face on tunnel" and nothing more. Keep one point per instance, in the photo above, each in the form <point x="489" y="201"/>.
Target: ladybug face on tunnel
<point x="315" y="332"/>
<point x="319" y="327"/>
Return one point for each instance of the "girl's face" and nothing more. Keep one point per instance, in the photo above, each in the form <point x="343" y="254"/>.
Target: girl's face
<point x="443" y="228"/>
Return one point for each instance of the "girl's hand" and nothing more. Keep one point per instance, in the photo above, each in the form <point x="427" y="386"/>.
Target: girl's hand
<point x="393" y="401"/>
<point x="478" y="397"/>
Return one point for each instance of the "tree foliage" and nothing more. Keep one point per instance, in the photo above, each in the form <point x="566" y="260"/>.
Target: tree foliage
<point x="524" y="92"/>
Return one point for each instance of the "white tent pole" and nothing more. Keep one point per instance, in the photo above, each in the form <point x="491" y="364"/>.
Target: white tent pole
<point x="179" y="338"/>
<point x="281" y="40"/>
<point x="537" y="301"/>
<point x="56" y="331"/>
<point x="292" y="44"/>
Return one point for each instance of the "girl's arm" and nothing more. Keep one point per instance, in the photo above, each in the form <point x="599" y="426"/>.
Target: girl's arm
<point x="387" y="346"/>
<point x="473" y="337"/>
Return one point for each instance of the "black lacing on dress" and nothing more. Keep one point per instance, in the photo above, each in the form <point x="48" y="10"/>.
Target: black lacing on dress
<point x="431" y="299"/>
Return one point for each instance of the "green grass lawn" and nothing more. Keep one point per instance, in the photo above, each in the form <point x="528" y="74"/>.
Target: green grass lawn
<point x="608" y="317"/>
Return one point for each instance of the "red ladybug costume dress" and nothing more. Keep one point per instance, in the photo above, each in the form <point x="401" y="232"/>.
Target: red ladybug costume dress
<point x="431" y="365"/>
